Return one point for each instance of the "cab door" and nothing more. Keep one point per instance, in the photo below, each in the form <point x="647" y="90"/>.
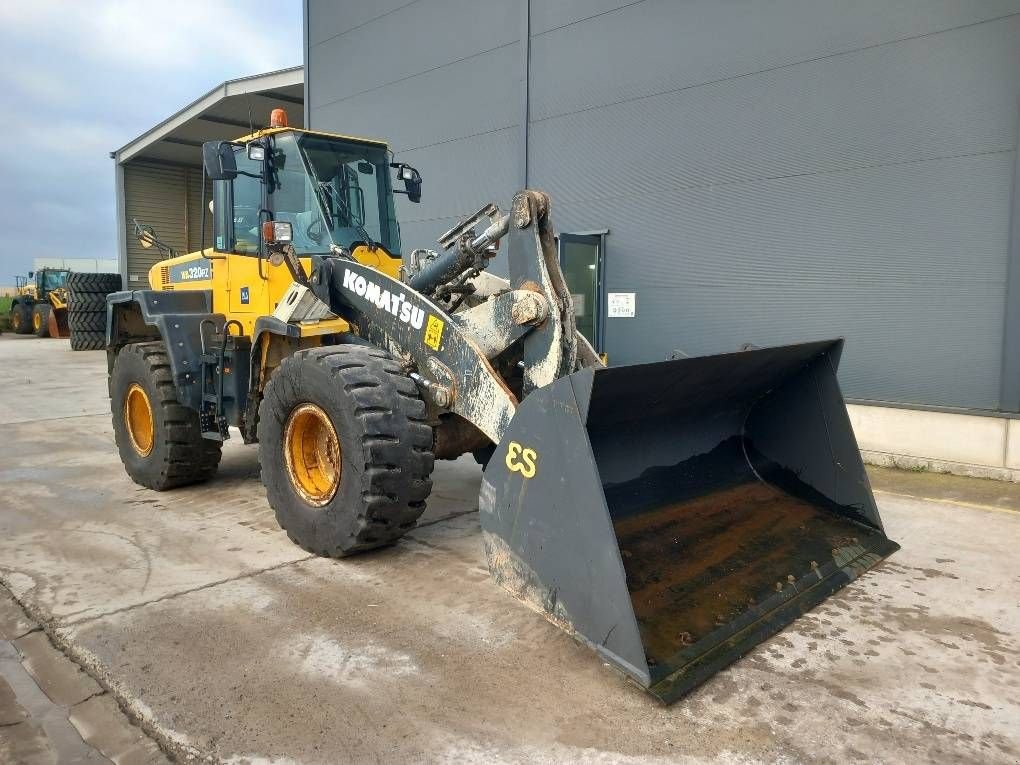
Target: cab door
<point x="239" y="209"/>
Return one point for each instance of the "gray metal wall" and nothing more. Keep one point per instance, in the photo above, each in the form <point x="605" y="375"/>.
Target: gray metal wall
<point x="769" y="171"/>
<point x="440" y="80"/>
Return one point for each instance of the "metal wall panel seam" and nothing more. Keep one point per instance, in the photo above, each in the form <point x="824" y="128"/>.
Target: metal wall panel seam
<point x="408" y="77"/>
<point x="779" y="67"/>
<point x="306" y="111"/>
<point x="1009" y="388"/>
<point x="525" y="84"/>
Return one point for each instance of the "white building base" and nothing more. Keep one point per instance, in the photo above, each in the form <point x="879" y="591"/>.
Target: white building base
<point x="942" y="442"/>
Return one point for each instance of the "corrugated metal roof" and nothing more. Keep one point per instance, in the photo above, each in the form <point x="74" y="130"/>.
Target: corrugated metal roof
<point x="230" y="109"/>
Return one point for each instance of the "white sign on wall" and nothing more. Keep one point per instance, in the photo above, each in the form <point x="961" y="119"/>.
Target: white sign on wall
<point x="621" y="305"/>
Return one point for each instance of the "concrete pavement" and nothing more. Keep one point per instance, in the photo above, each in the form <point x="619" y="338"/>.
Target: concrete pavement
<point x="225" y="642"/>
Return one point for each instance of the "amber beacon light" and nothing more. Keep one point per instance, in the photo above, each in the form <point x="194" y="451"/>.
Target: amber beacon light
<point x="278" y="118"/>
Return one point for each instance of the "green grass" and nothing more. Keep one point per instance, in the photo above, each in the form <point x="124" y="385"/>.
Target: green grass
<point x="5" y="312"/>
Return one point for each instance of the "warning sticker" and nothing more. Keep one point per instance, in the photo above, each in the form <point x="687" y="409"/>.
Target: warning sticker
<point x="621" y="305"/>
<point x="434" y="332"/>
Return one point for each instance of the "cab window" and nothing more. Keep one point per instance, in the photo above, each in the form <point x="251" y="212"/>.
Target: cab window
<point x="236" y="205"/>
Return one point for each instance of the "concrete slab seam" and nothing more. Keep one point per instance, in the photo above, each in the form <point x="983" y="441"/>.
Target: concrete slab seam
<point x="445" y="518"/>
<point x="170" y="596"/>
<point x="95" y="669"/>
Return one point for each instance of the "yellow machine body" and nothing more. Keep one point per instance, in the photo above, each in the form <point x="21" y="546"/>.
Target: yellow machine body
<point x="227" y="274"/>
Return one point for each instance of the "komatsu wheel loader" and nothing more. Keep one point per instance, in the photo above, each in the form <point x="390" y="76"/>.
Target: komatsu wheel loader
<point x="40" y="303"/>
<point x="669" y="515"/>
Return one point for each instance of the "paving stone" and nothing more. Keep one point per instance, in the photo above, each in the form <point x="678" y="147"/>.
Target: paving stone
<point x="11" y="711"/>
<point x="13" y="622"/>
<point x="104" y="726"/>
<point x="59" y="678"/>
<point x="25" y="744"/>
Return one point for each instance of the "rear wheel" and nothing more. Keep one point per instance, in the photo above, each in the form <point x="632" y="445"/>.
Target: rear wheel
<point x="345" y="449"/>
<point x="160" y="441"/>
<point x="21" y="319"/>
<point x="41" y="320"/>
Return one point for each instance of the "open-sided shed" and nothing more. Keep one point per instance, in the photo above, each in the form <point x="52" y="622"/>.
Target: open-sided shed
<point x="159" y="174"/>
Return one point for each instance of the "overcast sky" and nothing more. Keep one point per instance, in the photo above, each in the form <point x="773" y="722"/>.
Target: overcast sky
<point x="81" y="79"/>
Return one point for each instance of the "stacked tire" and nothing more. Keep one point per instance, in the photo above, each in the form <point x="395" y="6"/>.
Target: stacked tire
<point x="86" y="309"/>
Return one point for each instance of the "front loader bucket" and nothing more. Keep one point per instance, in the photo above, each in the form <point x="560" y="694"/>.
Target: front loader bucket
<point x="677" y="514"/>
<point x="57" y="323"/>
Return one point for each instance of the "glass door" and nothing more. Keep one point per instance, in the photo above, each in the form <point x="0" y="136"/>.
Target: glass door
<point x="581" y="262"/>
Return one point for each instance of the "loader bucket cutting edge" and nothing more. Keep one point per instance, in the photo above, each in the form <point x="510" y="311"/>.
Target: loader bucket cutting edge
<point x="682" y="512"/>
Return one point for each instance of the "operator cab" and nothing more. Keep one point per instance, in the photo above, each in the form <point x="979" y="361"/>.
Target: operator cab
<point x="49" y="279"/>
<point x="46" y="280"/>
<point x="333" y="191"/>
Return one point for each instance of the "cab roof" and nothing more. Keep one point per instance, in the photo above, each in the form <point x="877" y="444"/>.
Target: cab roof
<point x="273" y="131"/>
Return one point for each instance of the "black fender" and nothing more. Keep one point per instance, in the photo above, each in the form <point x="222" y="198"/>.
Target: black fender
<point x="177" y="319"/>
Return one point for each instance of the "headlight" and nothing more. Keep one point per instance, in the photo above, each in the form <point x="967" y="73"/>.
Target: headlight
<point x="277" y="232"/>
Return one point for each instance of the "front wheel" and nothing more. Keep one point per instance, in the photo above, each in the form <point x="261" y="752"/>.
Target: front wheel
<point x="41" y="320"/>
<point x="345" y="449"/>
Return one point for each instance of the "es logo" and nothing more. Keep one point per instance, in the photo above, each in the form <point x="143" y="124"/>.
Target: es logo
<point x="521" y="460"/>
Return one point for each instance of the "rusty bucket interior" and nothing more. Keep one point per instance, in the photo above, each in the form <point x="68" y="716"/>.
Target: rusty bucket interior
<point x="737" y="496"/>
<point x="732" y="499"/>
<point x="57" y="323"/>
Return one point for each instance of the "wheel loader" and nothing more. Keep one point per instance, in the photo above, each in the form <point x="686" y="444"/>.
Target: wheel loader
<point x="669" y="515"/>
<point x="40" y="305"/>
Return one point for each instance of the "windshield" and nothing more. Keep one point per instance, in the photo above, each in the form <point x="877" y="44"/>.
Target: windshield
<point x="54" y="279"/>
<point x="332" y="191"/>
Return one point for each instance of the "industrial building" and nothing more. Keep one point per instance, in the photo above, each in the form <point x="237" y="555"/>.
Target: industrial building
<point x="721" y="174"/>
<point x="159" y="173"/>
<point x="736" y="172"/>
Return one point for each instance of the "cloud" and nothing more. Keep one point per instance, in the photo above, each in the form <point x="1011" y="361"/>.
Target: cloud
<point x="156" y="36"/>
<point x="85" y="78"/>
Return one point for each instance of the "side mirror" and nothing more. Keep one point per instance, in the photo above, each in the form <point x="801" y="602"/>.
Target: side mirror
<point x="146" y="237"/>
<point x="31" y="274"/>
<point x="412" y="181"/>
<point x="218" y="157"/>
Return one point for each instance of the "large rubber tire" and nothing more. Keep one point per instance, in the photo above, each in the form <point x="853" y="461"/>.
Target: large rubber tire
<point x="87" y="321"/>
<point x="179" y="455"/>
<point x="86" y="309"/>
<point x="101" y="284"/>
<point x="385" y="441"/>
<point x="88" y="341"/>
<point x="41" y="320"/>
<point x="21" y="319"/>
<point x="81" y="302"/>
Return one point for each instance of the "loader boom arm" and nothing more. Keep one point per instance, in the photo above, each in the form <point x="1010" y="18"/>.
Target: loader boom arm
<point x="452" y="369"/>
<point x="450" y="354"/>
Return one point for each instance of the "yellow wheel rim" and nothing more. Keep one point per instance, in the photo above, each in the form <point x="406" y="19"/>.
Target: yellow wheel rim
<point x="36" y="321"/>
<point x="16" y="320"/>
<point x="138" y="418"/>
<point x="311" y="452"/>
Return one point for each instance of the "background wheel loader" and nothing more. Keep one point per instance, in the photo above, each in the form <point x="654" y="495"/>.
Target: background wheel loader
<point x="669" y="515"/>
<point x="40" y="305"/>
